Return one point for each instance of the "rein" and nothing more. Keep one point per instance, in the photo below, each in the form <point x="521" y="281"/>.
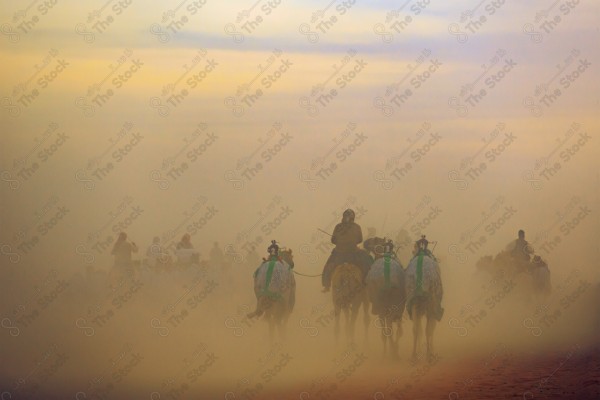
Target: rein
<point x="310" y="276"/>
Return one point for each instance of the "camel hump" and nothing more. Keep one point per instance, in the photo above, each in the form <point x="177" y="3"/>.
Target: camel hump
<point x="347" y="269"/>
<point x="278" y="281"/>
<point x="378" y="278"/>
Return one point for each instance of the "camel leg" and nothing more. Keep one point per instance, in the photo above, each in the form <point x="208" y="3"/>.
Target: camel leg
<point x="353" y="317"/>
<point x="283" y="327"/>
<point x="366" y="319"/>
<point x="395" y="340"/>
<point x="383" y="335"/>
<point x="348" y="323"/>
<point x="400" y="329"/>
<point x="416" y="332"/>
<point x="336" y="326"/>
<point x="431" y="322"/>
<point x="271" y="327"/>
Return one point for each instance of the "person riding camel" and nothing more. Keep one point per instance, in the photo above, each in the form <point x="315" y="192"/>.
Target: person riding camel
<point x="156" y="254"/>
<point x="538" y="262"/>
<point x="216" y="255"/>
<point x="122" y="251"/>
<point x="273" y="251"/>
<point x="186" y="244"/>
<point x="346" y="236"/>
<point x="521" y="251"/>
<point x="421" y="247"/>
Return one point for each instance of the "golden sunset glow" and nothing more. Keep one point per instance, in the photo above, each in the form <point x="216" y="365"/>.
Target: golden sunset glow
<point x="243" y="122"/>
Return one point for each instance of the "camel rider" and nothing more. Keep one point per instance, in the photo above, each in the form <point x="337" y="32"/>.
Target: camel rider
<point x="521" y="251"/>
<point x="273" y="251"/>
<point x="421" y="247"/>
<point x="346" y="236"/>
<point x="537" y="262"/>
<point x="377" y="247"/>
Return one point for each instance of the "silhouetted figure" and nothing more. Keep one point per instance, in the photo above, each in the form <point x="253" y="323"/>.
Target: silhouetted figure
<point x="216" y="255"/>
<point x="187" y="257"/>
<point x="122" y="251"/>
<point x="156" y="255"/>
<point x="185" y="242"/>
<point x="346" y="236"/>
<point x="521" y="251"/>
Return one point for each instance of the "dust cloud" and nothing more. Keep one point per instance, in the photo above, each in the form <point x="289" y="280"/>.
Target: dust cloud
<point x="160" y="120"/>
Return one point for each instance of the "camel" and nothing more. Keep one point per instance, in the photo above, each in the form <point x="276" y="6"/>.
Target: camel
<point x="424" y="294"/>
<point x="348" y="294"/>
<point x="275" y="290"/>
<point x="532" y="278"/>
<point x="387" y="294"/>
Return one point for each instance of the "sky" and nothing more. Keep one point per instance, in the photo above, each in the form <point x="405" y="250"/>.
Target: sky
<point x="242" y="122"/>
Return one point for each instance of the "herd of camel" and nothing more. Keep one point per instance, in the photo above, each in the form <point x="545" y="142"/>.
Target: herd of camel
<point x="388" y="290"/>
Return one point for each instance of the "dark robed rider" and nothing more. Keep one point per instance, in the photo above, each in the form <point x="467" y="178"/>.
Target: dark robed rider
<point x="521" y="252"/>
<point x="346" y="236"/>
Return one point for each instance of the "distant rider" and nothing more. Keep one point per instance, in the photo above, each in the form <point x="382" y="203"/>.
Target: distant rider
<point x="521" y="252"/>
<point x="122" y="250"/>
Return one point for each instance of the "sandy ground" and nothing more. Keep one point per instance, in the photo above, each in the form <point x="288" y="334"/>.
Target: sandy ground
<point x="211" y="351"/>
